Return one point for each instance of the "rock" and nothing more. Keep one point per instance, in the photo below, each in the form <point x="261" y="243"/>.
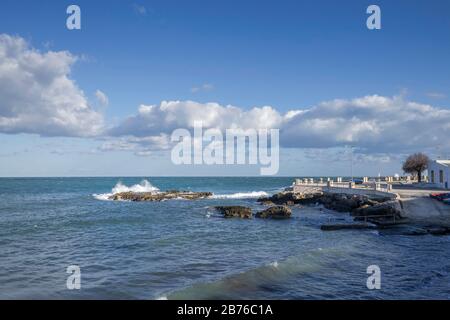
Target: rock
<point x="160" y="196"/>
<point x="332" y="227"/>
<point x="343" y="202"/>
<point x="415" y="232"/>
<point x="438" y="230"/>
<point x="277" y="212"/>
<point x="388" y="208"/>
<point x="427" y="230"/>
<point x="235" y="212"/>
<point x="290" y="198"/>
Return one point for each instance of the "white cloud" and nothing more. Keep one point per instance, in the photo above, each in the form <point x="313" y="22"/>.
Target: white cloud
<point x="170" y="115"/>
<point x="102" y="98"/>
<point x="37" y="94"/>
<point x="374" y="124"/>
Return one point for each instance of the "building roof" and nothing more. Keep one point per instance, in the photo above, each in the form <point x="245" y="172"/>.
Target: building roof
<point x="444" y="162"/>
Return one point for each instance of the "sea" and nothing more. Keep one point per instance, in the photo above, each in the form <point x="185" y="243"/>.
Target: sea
<point x="181" y="249"/>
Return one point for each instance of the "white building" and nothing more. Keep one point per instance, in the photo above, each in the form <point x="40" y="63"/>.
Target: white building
<point x="439" y="173"/>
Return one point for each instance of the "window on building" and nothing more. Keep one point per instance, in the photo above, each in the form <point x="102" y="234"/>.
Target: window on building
<point x="441" y="176"/>
<point x="432" y="176"/>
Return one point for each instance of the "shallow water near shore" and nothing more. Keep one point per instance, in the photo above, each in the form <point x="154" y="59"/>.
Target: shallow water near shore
<point x="181" y="249"/>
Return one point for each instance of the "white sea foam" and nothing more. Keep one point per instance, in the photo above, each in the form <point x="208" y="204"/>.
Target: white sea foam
<point x="241" y="195"/>
<point x="144" y="186"/>
<point x="102" y="196"/>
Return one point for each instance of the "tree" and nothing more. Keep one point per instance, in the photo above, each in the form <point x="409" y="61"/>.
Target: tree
<point x="416" y="164"/>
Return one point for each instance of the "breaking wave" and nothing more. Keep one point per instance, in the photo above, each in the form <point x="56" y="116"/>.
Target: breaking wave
<point x="144" y="186"/>
<point x="241" y="195"/>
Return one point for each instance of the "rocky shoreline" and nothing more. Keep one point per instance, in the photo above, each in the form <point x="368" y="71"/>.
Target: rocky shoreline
<point x="367" y="212"/>
<point x="356" y="205"/>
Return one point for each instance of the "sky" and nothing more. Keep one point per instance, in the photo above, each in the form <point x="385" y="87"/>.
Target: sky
<point x="104" y="100"/>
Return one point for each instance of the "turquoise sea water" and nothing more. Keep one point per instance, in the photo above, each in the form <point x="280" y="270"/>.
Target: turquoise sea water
<point x="183" y="249"/>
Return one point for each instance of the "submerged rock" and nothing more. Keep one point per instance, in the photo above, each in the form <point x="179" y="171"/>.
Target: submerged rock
<point x="277" y="212"/>
<point x="235" y="212"/>
<point x="332" y="227"/>
<point x="160" y="196"/>
<point x="438" y="230"/>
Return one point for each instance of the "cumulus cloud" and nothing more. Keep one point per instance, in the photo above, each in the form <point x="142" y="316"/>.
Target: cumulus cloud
<point x="170" y="115"/>
<point x="374" y="124"/>
<point x="37" y="94"/>
<point x="102" y="98"/>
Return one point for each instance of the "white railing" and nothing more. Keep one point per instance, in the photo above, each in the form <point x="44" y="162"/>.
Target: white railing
<point x="367" y="188"/>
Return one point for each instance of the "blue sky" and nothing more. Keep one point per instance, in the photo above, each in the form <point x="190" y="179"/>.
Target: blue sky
<point x="290" y="55"/>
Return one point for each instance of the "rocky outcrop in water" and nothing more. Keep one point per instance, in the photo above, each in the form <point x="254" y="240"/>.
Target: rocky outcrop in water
<point x="418" y="230"/>
<point x="289" y="198"/>
<point x="344" y="202"/>
<point x="277" y="212"/>
<point x="235" y="212"/>
<point x="346" y="226"/>
<point x="160" y="196"/>
<point x="388" y="208"/>
<point x="383" y="212"/>
<point x="336" y="202"/>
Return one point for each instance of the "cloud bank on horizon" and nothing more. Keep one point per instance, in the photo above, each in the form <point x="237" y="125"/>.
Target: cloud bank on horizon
<point x="373" y="124"/>
<point x="38" y="96"/>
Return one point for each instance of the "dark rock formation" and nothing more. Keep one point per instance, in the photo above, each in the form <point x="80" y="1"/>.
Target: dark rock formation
<point x="424" y="230"/>
<point x="384" y="212"/>
<point x="438" y="230"/>
<point x="387" y="208"/>
<point x="277" y="212"/>
<point x="235" y="212"/>
<point x="291" y="198"/>
<point x="332" y="227"/>
<point x="345" y="202"/>
<point x="331" y="201"/>
<point x="160" y="196"/>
